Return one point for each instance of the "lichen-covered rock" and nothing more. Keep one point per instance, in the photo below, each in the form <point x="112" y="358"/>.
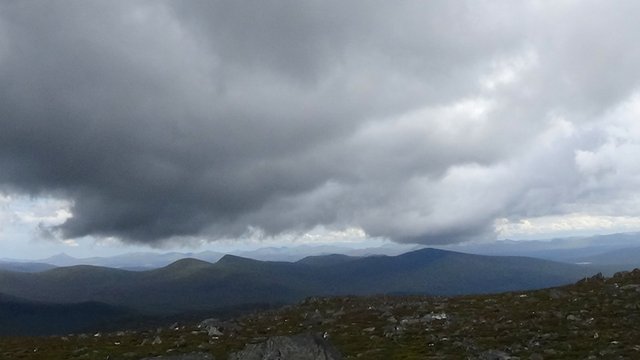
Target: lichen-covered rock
<point x="297" y="347"/>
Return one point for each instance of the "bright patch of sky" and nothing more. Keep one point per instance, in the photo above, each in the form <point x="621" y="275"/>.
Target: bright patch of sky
<point x="548" y="227"/>
<point x="24" y="234"/>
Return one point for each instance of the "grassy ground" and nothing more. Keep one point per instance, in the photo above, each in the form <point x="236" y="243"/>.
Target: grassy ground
<point x="598" y="318"/>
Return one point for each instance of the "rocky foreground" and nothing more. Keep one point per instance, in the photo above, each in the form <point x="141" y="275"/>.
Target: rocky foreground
<point x="595" y="318"/>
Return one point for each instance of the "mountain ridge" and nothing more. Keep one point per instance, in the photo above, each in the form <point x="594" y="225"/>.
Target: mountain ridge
<point x="195" y="285"/>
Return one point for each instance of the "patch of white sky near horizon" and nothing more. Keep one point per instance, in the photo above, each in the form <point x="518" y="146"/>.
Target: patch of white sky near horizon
<point x="609" y="173"/>
<point x="23" y="218"/>
<point x="568" y="225"/>
<point x="21" y="237"/>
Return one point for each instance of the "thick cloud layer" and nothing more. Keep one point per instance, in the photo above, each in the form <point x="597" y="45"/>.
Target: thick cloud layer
<point x="417" y="121"/>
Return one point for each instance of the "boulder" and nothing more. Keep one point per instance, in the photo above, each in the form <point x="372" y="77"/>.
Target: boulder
<point x="296" y="347"/>
<point x="215" y="327"/>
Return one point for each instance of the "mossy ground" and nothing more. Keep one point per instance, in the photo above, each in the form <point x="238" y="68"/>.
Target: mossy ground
<point x="599" y="318"/>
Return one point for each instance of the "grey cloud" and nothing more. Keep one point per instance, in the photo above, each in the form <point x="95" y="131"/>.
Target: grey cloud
<point x="206" y="118"/>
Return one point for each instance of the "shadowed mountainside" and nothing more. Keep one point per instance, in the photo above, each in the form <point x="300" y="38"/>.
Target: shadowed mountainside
<point x="596" y="318"/>
<point x="195" y="285"/>
<point x="23" y="317"/>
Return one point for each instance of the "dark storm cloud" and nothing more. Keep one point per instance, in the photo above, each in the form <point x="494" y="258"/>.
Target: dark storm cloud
<point x="411" y="120"/>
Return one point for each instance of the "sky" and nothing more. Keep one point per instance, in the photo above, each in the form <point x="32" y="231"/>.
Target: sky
<point x="129" y="125"/>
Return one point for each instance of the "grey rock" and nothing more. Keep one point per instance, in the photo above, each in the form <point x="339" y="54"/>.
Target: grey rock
<point x="595" y="278"/>
<point x="572" y="317"/>
<point x="214" y="331"/>
<point x="297" y="347"/>
<point x="215" y="327"/>
<point x="192" y="356"/>
<point x="209" y="322"/>
<point x="495" y="355"/>
<point x="630" y="287"/>
<point x="393" y="330"/>
<point x="433" y="316"/>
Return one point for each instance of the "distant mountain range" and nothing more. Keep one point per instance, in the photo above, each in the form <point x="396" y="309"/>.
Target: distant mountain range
<point x="570" y="250"/>
<point x="195" y="285"/>
<point x="49" y="296"/>
<point x="140" y="261"/>
<point x="25" y="266"/>
<point x="132" y="261"/>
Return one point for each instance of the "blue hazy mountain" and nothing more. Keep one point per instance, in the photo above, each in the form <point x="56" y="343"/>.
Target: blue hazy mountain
<point x="25" y="266"/>
<point x="196" y="285"/>
<point x="568" y="249"/>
